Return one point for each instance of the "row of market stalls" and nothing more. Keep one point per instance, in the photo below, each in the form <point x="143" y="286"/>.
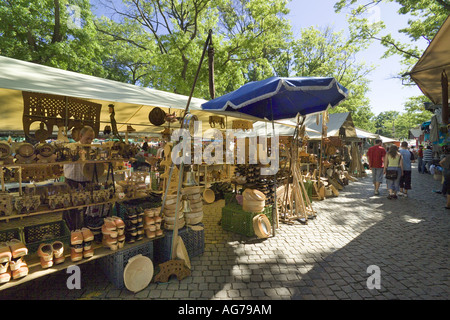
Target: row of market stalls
<point x="320" y="153"/>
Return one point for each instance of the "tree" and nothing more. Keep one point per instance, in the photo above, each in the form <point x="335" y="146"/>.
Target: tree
<point x="414" y="115"/>
<point x="385" y="123"/>
<point x="426" y="18"/>
<point x="51" y="32"/>
<point x="328" y="53"/>
<point x="170" y="34"/>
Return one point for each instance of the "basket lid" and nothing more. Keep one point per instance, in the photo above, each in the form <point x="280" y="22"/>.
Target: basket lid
<point x="5" y="149"/>
<point x="197" y="228"/>
<point x="138" y="273"/>
<point x="25" y="149"/>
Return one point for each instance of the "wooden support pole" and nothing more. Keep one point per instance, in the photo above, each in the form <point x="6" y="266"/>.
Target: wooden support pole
<point x="445" y="111"/>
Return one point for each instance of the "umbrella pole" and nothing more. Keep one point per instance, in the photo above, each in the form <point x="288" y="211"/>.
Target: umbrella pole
<point x="274" y="206"/>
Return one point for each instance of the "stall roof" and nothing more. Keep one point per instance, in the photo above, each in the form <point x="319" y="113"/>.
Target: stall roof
<point x="336" y="122"/>
<point x="363" y="134"/>
<point x="132" y="103"/>
<point x="387" y="140"/>
<point x="436" y="59"/>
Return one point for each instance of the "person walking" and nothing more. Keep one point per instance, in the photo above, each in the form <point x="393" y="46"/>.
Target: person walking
<point x="376" y="155"/>
<point x="427" y="159"/>
<point x="420" y="159"/>
<point x="393" y="169"/>
<point x="445" y="164"/>
<point x="405" y="179"/>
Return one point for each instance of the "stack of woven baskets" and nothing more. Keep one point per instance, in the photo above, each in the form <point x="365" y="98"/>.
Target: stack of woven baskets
<point x="253" y="200"/>
<point x="195" y="214"/>
<point x="169" y="213"/>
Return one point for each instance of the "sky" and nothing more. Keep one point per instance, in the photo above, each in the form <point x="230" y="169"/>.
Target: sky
<point x="386" y="93"/>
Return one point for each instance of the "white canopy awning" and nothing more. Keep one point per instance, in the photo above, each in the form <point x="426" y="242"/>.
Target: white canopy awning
<point x="362" y="134"/>
<point x="132" y="103"/>
<point x="387" y="140"/>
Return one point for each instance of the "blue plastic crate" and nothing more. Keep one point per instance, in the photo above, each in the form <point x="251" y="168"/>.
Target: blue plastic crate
<point x="194" y="241"/>
<point x="113" y="265"/>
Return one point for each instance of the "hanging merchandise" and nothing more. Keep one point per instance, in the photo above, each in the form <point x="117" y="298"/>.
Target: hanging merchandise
<point x="157" y="116"/>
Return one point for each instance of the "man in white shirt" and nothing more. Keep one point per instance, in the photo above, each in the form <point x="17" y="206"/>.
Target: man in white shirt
<point x="160" y="152"/>
<point x="74" y="177"/>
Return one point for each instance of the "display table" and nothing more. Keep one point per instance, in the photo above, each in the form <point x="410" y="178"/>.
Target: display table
<point x="36" y="271"/>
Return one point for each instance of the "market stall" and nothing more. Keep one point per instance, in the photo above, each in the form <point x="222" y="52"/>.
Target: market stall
<point x="276" y="99"/>
<point x="49" y="108"/>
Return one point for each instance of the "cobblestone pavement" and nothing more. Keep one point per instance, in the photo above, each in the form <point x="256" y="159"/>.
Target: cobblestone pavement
<point x="328" y="258"/>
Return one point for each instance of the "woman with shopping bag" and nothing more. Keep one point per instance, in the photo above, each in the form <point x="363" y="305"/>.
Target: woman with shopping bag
<point x="393" y="169"/>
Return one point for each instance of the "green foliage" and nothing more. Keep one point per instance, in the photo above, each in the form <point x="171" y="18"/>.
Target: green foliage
<point x="51" y="32"/>
<point x="159" y="44"/>
<point x="328" y="53"/>
<point x="397" y="124"/>
<point x="427" y="16"/>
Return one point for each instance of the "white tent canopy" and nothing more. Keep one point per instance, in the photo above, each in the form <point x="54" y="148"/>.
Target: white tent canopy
<point x="362" y="134"/>
<point x="132" y="103"/>
<point x="25" y="76"/>
<point x="337" y="121"/>
<point x="264" y="128"/>
<point x="286" y="127"/>
<point x="387" y="140"/>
